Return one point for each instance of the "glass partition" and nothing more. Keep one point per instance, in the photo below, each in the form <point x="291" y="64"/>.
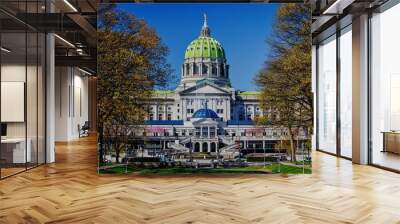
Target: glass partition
<point x="13" y="94"/>
<point x="327" y="95"/>
<point x="22" y="91"/>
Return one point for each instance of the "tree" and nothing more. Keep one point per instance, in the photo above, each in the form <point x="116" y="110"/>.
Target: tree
<point x="131" y="63"/>
<point x="285" y="80"/>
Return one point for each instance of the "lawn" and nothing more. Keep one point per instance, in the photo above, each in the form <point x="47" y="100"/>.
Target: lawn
<point x="272" y="168"/>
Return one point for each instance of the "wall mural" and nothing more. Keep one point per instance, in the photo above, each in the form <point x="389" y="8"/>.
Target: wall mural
<point x="203" y="123"/>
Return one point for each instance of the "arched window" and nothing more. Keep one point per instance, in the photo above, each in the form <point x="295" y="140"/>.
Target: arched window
<point x="187" y="69"/>
<point x="195" y="69"/>
<point x="197" y="147"/>
<point x="213" y="147"/>
<point x="205" y="147"/>
<point x="214" y="70"/>
<point x="204" y="69"/>
<point x="221" y="70"/>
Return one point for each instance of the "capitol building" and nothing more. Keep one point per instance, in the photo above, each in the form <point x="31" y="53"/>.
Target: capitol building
<point x="205" y="114"/>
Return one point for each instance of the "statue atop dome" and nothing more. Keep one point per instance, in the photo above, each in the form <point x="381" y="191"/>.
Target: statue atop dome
<point x="205" y="31"/>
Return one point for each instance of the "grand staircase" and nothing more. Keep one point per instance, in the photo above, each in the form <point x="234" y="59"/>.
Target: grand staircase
<point x="229" y="151"/>
<point x="179" y="148"/>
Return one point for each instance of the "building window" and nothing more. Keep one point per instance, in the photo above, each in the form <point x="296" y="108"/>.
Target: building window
<point x="346" y="92"/>
<point x="169" y="117"/>
<point x="205" y="132"/>
<point x="220" y="111"/>
<point x="189" y="101"/>
<point x="249" y="117"/>
<point x="187" y="69"/>
<point x="195" y="69"/>
<point x="160" y="117"/>
<point x="214" y="69"/>
<point x="151" y="117"/>
<point x="212" y="132"/>
<point x="385" y="88"/>
<point x="204" y="69"/>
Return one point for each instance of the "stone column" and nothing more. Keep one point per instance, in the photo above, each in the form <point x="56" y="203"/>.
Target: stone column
<point x="208" y="130"/>
<point x="360" y="90"/>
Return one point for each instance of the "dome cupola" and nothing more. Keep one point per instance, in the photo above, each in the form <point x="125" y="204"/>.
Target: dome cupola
<point x="205" y="59"/>
<point x="205" y="46"/>
<point x="205" y="113"/>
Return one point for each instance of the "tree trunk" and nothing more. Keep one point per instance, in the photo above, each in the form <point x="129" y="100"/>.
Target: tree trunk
<point x="101" y="144"/>
<point x="117" y="155"/>
<point x="292" y="148"/>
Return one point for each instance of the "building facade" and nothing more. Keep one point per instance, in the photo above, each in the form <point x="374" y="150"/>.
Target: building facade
<point x="205" y="113"/>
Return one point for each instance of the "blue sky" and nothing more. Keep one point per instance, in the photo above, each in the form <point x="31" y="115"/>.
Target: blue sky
<point x="242" y="29"/>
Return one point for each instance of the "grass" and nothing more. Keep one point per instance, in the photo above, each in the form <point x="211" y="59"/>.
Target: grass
<point x="271" y="168"/>
<point x="119" y="170"/>
<point x="307" y="162"/>
<point x="288" y="169"/>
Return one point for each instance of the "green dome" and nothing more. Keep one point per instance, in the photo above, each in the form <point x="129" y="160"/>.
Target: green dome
<point x="205" y="47"/>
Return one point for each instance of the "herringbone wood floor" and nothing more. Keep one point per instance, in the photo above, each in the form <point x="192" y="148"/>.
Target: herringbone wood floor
<point x="70" y="191"/>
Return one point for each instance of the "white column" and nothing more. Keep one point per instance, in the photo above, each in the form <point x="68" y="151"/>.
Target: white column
<point x="50" y="98"/>
<point x="360" y="90"/>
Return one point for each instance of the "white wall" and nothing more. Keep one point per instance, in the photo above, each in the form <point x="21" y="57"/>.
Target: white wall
<point x="71" y="102"/>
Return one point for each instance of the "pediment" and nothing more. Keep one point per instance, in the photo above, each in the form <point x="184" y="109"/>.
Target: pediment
<point x="205" y="122"/>
<point x="205" y="88"/>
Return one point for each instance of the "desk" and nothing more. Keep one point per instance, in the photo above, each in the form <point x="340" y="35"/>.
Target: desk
<point x="13" y="150"/>
<point x="391" y="141"/>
